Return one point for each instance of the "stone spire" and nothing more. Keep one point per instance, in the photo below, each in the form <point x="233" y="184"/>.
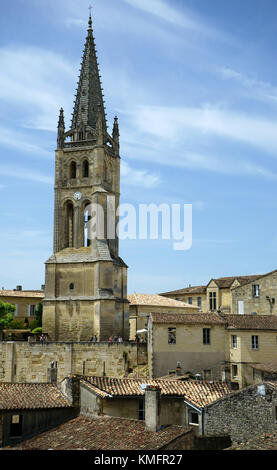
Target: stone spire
<point x="116" y="135"/>
<point x="61" y="129"/>
<point x="89" y="97"/>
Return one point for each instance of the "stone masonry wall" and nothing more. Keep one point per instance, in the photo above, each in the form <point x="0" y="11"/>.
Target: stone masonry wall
<point x="260" y="305"/>
<point x="29" y="362"/>
<point x="241" y="415"/>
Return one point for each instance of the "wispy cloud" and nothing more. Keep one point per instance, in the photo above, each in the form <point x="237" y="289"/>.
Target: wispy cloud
<point x="75" y="22"/>
<point x="38" y="81"/>
<point x="141" y="178"/>
<point x="259" y="89"/>
<point x="25" y="174"/>
<point x="163" y="10"/>
<point x="179" y="124"/>
<point x="201" y="139"/>
<point x="22" y="141"/>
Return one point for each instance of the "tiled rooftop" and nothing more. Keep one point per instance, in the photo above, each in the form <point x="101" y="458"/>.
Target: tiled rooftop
<point x="159" y="300"/>
<point x="222" y="282"/>
<point x="251" y="322"/>
<point x="31" y="396"/>
<point x="270" y="367"/>
<point x="199" y="393"/>
<point x="231" y="322"/>
<point x="226" y="282"/>
<point x="187" y="290"/>
<point x="39" y="294"/>
<point x="103" y="434"/>
<point x="188" y="318"/>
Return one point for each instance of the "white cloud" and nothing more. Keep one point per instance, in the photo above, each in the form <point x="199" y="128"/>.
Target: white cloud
<point x="38" y="81"/>
<point x="164" y="11"/>
<point x="165" y="136"/>
<point x="141" y="178"/>
<point x="25" y="174"/>
<point x="178" y="124"/>
<point x="75" y="22"/>
<point x="21" y="141"/>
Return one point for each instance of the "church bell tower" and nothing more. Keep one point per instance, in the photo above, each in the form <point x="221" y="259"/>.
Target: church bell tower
<point x="86" y="280"/>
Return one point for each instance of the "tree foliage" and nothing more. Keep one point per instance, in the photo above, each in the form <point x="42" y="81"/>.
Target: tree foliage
<point x="6" y="314"/>
<point x="37" y="323"/>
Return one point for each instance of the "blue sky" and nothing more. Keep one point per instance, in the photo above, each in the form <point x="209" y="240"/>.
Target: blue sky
<point x="194" y="83"/>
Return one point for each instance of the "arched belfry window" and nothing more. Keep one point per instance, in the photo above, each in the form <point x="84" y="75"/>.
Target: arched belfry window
<point x="69" y="225"/>
<point x="87" y="228"/>
<point x="73" y="170"/>
<point x="85" y="169"/>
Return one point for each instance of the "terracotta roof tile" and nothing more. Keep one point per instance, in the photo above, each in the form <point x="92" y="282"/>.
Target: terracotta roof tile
<point x="231" y="322"/>
<point x="31" y="396"/>
<point x="270" y="367"/>
<point x="105" y="433"/>
<point x="159" y="300"/>
<point x="251" y="322"/>
<point x="222" y="282"/>
<point x="187" y="290"/>
<point x="199" y="393"/>
<point x="22" y="293"/>
<point x="188" y="318"/>
<point x="226" y="282"/>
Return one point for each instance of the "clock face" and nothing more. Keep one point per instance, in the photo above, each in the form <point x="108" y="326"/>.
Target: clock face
<point x="77" y="196"/>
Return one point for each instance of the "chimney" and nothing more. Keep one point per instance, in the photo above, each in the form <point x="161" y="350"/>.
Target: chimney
<point x="152" y="408"/>
<point x="52" y="373"/>
<point x="18" y="287"/>
<point x="178" y="369"/>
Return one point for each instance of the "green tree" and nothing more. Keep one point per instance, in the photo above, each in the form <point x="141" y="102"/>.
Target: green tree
<point x="6" y="314"/>
<point x="17" y="324"/>
<point x="38" y="314"/>
<point x="37" y="323"/>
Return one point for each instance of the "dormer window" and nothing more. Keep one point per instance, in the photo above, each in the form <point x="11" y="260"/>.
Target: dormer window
<point x="212" y="301"/>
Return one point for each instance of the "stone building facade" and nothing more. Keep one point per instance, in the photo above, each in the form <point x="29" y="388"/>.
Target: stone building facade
<point x="235" y="295"/>
<point x="214" y="346"/>
<point x="86" y="280"/>
<point x="25" y="301"/>
<point x="256" y="298"/>
<point x="244" y="414"/>
<point x="141" y="305"/>
<point x="178" y="339"/>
